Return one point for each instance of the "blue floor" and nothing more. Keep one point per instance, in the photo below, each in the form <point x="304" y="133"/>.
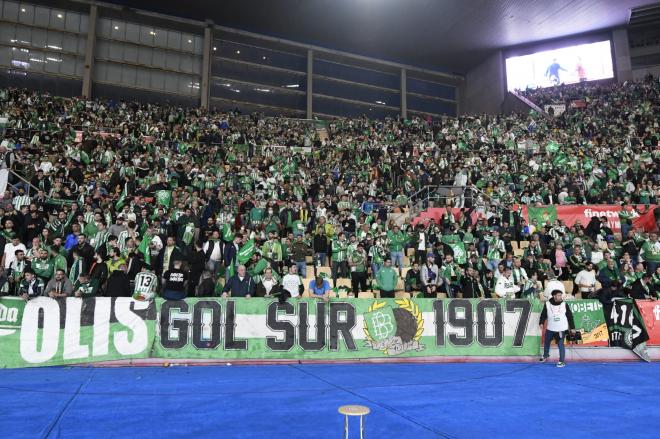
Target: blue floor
<point x="407" y="401"/>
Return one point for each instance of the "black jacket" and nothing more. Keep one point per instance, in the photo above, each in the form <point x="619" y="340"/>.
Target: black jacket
<point x="470" y="288"/>
<point x="240" y="288"/>
<point x="637" y="290"/>
<point x="176" y="255"/>
<point x="118" y="285"/>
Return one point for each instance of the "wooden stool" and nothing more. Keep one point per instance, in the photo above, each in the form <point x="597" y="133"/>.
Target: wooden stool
<point x="354" y="410"/>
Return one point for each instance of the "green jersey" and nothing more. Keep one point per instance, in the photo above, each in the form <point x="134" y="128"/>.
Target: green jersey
<point x="397" y="240"/>
<point x="43" y="268"/>
<point x="387" y="279"/>
<point x="145" y="286"/>
<point x="86" y="289"/>
<point x="339" y="250"/>
<point x="359" y="261"/>
<point x="650" y="251"/>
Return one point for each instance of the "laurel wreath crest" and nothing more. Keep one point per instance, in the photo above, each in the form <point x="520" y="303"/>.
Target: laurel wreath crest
<point x="406" y="304"/>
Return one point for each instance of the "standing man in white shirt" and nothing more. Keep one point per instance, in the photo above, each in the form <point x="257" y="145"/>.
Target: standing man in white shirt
<point x="292" y="283"/>
<point x="585" y="280"/>
<point x="552" y="285"/>
<point x="9" y="254"/>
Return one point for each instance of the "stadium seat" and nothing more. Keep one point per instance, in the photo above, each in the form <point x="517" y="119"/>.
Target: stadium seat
<point x="365" y="295"/>
<point x="402" y="295"/>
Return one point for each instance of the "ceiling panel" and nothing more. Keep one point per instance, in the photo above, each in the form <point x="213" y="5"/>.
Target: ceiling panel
<point x="449" y="35"/>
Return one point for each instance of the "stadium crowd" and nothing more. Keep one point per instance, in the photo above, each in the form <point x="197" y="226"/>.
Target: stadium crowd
<point x="126" y="198"/>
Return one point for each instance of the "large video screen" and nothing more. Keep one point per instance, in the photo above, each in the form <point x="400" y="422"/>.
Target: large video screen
<point x="567" y="65"/>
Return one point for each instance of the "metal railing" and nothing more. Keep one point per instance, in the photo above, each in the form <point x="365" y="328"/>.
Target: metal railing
<point x="438" y="195"/>
<point x="531" y="104"/>
<point x="23" y="183"/>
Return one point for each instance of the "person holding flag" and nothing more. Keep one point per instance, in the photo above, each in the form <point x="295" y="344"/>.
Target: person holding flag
<point x="230" y="255"/>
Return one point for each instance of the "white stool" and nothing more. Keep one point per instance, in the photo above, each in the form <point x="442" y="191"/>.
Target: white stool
<point x="354" y="410"/>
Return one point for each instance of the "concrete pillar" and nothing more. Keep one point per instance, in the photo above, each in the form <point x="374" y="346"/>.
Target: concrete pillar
<point x="622" y="55"/>
<point x="310" y="77"/>
<point x="206" y="66"/>
<point x="404" y="94"/>
<point x="89" y="52"/>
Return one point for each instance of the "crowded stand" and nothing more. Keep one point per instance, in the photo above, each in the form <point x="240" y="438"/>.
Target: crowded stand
<point x="134" y="199"/>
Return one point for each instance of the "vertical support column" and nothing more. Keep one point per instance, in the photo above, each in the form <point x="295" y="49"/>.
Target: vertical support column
<point x="622" y="55"/>
<point x="458" y="96"/>
<point x="404" y="94"/>
<point x="89" y="52"/>
<point x="310" y="77"/>
<point x="206" y="65"/>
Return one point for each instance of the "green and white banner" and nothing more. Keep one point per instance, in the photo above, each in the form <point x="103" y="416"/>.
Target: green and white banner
<point x="45" y="331"/>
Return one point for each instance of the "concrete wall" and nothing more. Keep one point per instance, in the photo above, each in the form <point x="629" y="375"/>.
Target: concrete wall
<point x="621" y="55"/>
<point x="512" y="104"/>
<point x="640" y="73"/>
<point x="484" y="87"/>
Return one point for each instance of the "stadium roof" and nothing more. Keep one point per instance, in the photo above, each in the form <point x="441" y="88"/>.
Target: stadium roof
<point x="449" y="35"/>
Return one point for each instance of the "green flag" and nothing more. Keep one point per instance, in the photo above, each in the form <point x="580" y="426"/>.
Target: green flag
<point x="552" y="147"/>
<point x="542" y="214"/>
<point x="258" y="268"/>
<point x="144" y="249"/>
<point x="227" y="234"/>
<point x="246" y="251"/>
<point x="164" y="198"/>
<point x="459" y="252"/>
<point x="560" y="160"/>
<point x="122" y="199"/>
<point x="84" y="157"/>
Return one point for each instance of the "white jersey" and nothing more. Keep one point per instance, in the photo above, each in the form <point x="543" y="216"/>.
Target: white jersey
<point x="557" y="320"/>
<point x="506" y="287"/>
<point x="145" y="286"/>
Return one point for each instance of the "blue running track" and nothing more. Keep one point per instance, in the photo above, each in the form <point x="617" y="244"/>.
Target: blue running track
<point x="512" y="400"/>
